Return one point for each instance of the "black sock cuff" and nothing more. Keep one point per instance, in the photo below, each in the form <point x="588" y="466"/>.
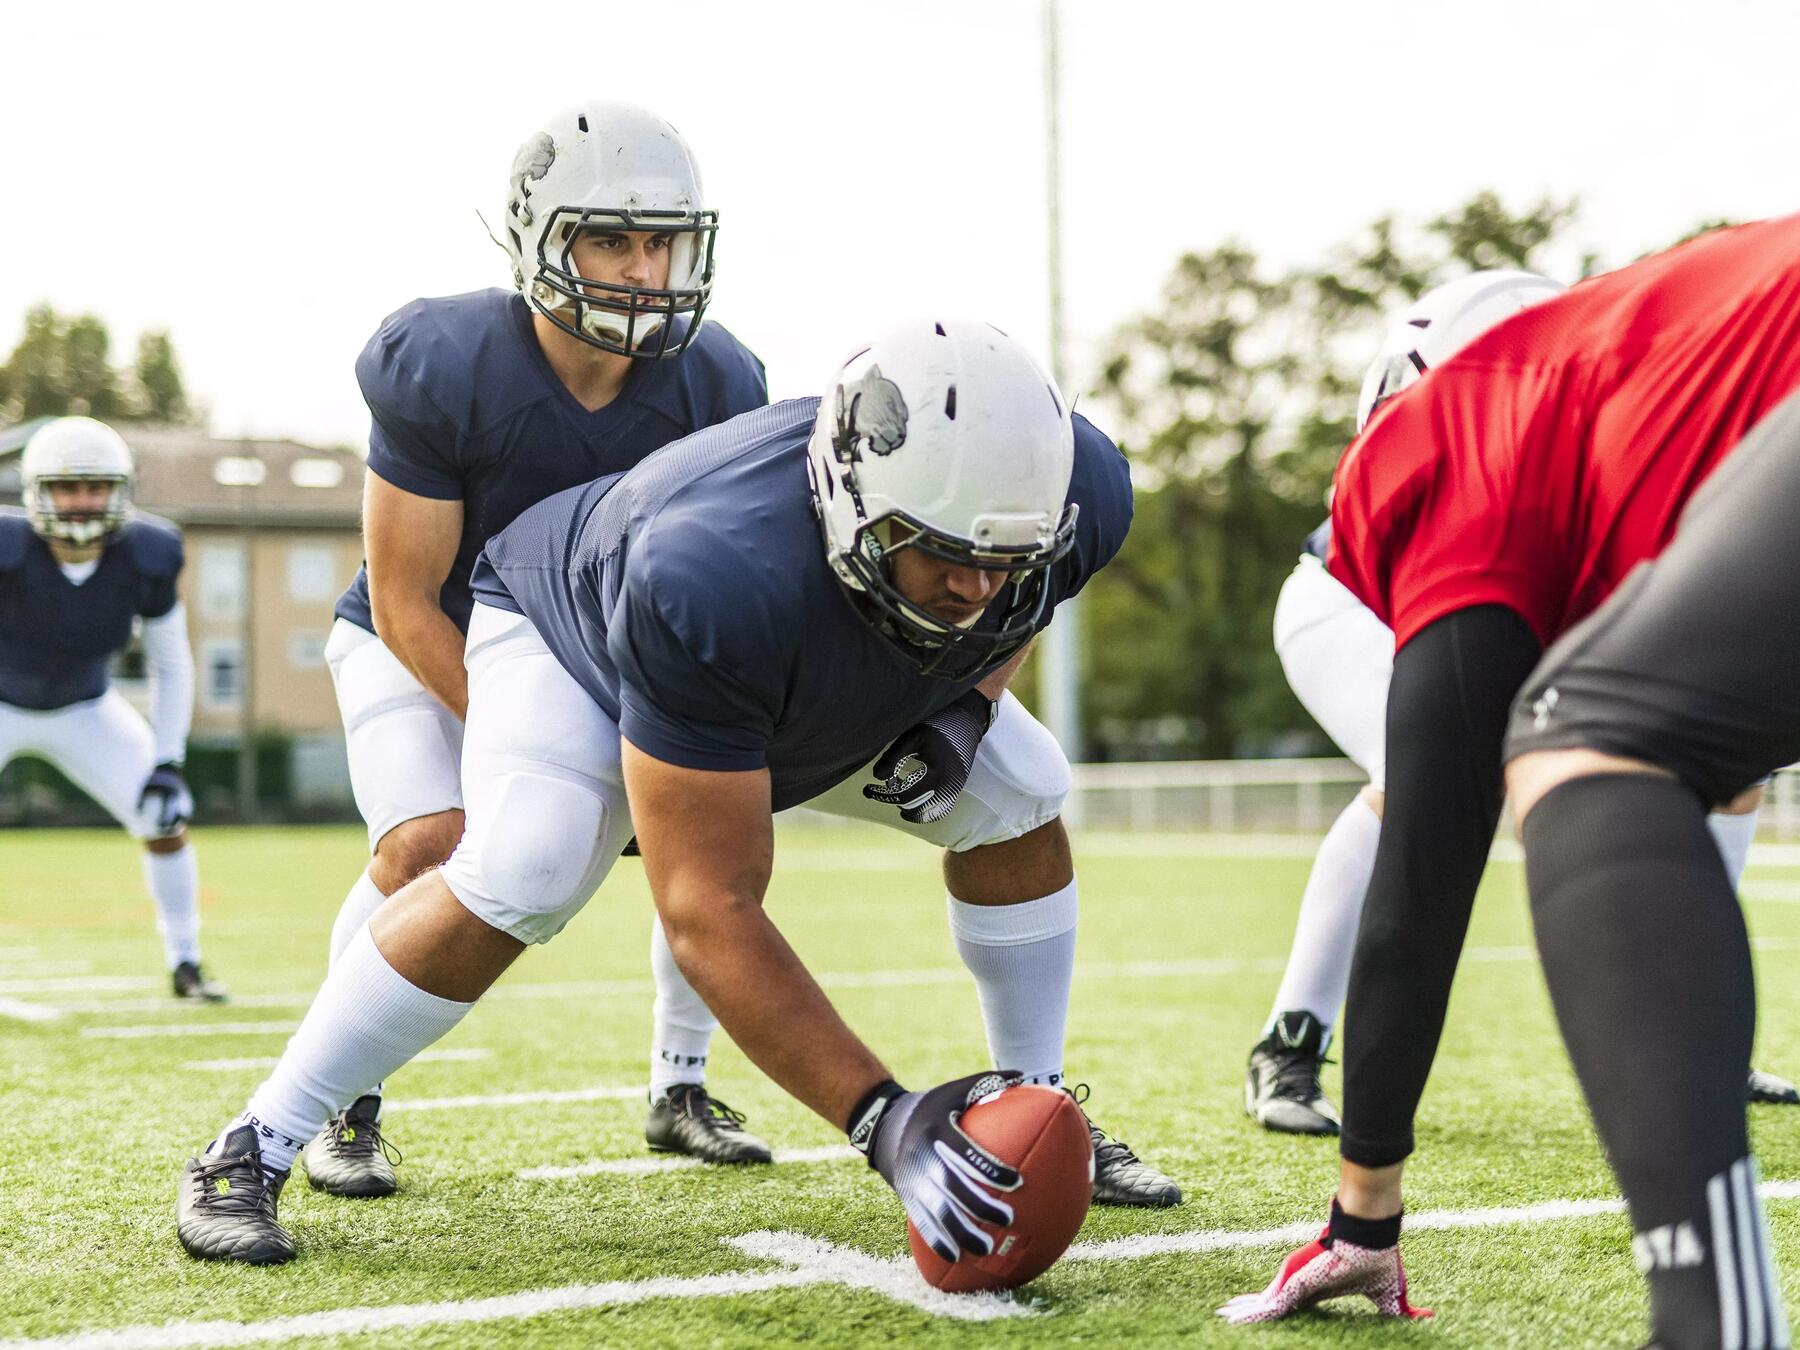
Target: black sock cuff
<point x="1592" y="801"/>
<point x="1374" y="1234"/>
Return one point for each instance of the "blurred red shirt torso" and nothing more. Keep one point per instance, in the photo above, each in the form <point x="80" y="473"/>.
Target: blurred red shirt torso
<point x="1553" y="454"/>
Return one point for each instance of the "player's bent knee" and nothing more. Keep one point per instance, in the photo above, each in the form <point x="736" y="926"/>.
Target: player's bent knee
<point x="168" y="843"/>
<point x="1532" y="775"/>
<point x="524" y="866"/>
<point x="1373" y="798"/>
<point x="413" y="847"/>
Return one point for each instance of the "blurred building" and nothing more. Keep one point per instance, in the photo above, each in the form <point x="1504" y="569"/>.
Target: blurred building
<point x="273" y="534"/>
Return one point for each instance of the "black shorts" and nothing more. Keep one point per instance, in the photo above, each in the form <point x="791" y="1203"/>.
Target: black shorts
<point x="1693" y="664"/>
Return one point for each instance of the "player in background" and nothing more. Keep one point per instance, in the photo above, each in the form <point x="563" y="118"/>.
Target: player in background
<point x="79" y="567"/>
<point x="1676" y="695"/>
<point x="1338" y="658"/>
<point x="1481" y="517"/>
<point x="481" y="405"/>
<point x="821" y="602"/>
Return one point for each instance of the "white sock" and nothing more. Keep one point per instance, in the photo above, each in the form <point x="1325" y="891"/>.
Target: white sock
<point x="364" y="899"/>
<point x="684" y="1024"/>
<point x="1023" y="961"/>
<point x="1734" y="835"/>
<point x="1318" y="968"/>
<point x="366" y="1021"/>
<point x="174" y="882"/>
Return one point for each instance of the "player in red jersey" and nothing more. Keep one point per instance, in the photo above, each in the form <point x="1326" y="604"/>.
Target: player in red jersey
<point x="1481" y="515"/>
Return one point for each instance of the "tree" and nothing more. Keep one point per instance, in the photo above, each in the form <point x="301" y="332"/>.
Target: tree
<point x="60" y="366"/>
<point x="1233" y="400"/>
<point x="164" y="399"/>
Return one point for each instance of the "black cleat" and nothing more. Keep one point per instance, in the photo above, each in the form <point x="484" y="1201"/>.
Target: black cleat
<point x="225" y="1207"/>
<point x="687" y="1120"/>
<point x="1281" y="1086"/>
<point x="1120" y="1176"/>
<point x="1767" y="1088"/>
<point x="351" y="1156"/>
<point x="190" y="981"/>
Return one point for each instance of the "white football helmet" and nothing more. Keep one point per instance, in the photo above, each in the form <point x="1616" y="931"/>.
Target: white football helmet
<point x="610" y="166"/>
<point x="945" y="436"/>
<point x="76" y="449"/>
<point x="1441" y="323"/>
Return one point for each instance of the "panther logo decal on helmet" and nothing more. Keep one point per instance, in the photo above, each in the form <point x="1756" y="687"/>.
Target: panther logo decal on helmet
<point x="871" y="414"/>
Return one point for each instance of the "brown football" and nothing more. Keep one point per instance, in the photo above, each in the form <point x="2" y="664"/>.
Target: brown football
<point x="1041" y="1132"/>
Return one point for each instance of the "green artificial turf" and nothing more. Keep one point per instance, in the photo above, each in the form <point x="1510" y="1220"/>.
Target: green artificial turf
<point x="1180" y="951"/>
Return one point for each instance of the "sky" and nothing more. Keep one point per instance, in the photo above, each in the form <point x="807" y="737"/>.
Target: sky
<point x="268" y="182"/>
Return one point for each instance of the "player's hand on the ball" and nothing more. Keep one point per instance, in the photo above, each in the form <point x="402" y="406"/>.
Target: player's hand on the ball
<point x="948" y="1184"/>
<point x="165" y="802"/>
<point x="942" y="750"/>
<point x="1317" y="1272"/>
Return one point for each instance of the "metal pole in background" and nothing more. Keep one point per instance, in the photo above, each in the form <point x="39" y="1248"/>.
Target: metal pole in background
<point x="1059" y="649"/>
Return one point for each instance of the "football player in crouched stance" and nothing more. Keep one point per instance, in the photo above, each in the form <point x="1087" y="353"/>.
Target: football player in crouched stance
<point x="77" y="569"/>
<point x="674" y="650"/>
<point x="1338" y="658"/>
<point x="1484" y="515"/>
<point x="482" y="405"/>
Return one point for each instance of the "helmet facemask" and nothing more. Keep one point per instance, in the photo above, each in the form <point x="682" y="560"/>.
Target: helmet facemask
<point x="79" y="528"/>
<point x="638" y="321"/>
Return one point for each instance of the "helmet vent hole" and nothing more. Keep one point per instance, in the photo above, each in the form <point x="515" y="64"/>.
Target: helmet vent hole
<point x="950" y="401"/>
<point x="940" y="329"/>
<point x="582" y="121"/>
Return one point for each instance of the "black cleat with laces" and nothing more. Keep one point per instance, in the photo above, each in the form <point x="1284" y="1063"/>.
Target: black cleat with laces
<point x="1120" y="1176"/>
<point x="687" y="1120"/>
<point x="350" y="1156"/>
<point x="189" y="981"/>
<point x="1281" y="1086"/>
<point x="1771" y="1090"/>
<point x="225" y="1208"/>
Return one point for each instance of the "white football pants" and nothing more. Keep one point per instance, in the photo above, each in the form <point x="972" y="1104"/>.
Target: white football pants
<point x="102" y="745"/>
<point x="1338" y="658"/>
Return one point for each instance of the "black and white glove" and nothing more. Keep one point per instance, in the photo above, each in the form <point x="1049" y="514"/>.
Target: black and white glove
<point x="942" y="751"/>
<point x="946" y="1182"/>
<point x="165" y="804"/>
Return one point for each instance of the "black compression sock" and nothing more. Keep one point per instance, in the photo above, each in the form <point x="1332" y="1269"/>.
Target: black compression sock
<point x="1648" y="964"/>
<point x="1372" y="1233"/>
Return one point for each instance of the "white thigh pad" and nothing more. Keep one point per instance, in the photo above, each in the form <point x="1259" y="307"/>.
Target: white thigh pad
<point x="404" y="747"/>
<point x="1018" y="783"/>
<point x="544" y="797"/>
<point x="1339" y="659"/>
<point x="103" y="746"/>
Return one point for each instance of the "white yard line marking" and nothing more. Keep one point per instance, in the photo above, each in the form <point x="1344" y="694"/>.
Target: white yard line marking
<point x="19" y="1011"/>
<point x="635" y="1167"/>
<point x="166" y="1004"/>
<point x="35" y="967"/>
<point x="808" y="1261"/>
<point x="189" y="1029"/>
<point x="270" y="1061"/>
<point x="83" y="984"/>
<point x="17" y="953"/>
<point x="1772" y="892"/>
<point x="589" y="1094"/>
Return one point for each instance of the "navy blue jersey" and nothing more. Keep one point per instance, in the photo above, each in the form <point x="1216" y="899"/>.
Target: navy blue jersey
<point x="692" y="599"/>
<point x="56" y="637"/>
<point x="466" y="408"/>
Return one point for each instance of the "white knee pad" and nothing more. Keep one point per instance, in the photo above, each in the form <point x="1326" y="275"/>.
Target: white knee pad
<point x="531" y="861"/>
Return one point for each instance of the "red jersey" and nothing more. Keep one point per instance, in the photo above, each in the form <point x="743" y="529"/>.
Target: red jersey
<point x="1550" y="456"/>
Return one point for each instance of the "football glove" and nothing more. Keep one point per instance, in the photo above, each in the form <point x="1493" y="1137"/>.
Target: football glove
<point x="947" y="1183"/>
<point x="165" y="804"/>
<point x="1317" y="1272"/>
<point x="942" y="750"/>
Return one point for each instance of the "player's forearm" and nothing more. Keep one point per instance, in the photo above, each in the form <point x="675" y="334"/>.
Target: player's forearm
<point x="171" y="665"/>
<point x="994" y="684"/>
<point x="416" y="630"/>
<point x="768" y="1002"/>
<point x="1447" y="710"/>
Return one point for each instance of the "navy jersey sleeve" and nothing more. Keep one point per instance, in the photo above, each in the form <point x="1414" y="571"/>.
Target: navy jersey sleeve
<point x="693" y="672"/>
<point x="1100" y="486"/>
<point x="412" y="444"/>
<point x="157" y="554"/>
<point x="742" y="386"/>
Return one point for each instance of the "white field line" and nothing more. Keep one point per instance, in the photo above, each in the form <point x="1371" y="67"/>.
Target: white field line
<point x="32" y="966"/>
<point x="17" y="953"/>
<point x="1772" y="892"/>
<point x="637" y="1167"/>
<point x="83" y="984"/>
<point x="270" y="1061"/>
<point x="807" y="1262"/>
<point x="17" y="1010"/>
<point x="189" y="1029"/>
<point x="588" y="1094"/>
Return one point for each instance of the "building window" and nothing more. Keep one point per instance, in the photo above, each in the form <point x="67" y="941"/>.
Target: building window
<point x="312" y="573"/>
<point x="222" y="674"/>
<point x="316" y="473"/>
<point x="222" y="581"/>
<point x="306" y="649"/>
